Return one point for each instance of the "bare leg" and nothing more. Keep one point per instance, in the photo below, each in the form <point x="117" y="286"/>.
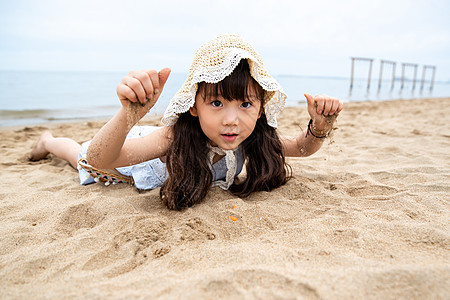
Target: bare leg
<point x="63" y="148"/>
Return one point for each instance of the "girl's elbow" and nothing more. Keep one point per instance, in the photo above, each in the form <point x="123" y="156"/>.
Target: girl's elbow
<point x="93" y="159"/>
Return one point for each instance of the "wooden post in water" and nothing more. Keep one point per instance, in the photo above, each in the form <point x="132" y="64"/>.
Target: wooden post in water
<point x="403" y="75"/>
<point x="353" y="72"/>
<point x="403" y="78"/>
<point x="432" y="78"/>
<point x="425" y="67"/>
<point x="381" y="73"/>
<point x="415" y="77"/>
<point x="394" y="64"/>
<point x="424" y="70"/>
<point x="351" y="75"/>
<point x="370" y="75"/>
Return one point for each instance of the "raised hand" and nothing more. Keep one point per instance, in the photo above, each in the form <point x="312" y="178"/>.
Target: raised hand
<point x="323" y="110"/>
<point x="142" y="89"/>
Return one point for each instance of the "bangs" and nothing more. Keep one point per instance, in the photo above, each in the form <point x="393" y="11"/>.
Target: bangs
<point x="239" y="85"/>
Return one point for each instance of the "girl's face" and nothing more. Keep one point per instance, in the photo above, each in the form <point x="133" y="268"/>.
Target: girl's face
<point x="227" y="123"/>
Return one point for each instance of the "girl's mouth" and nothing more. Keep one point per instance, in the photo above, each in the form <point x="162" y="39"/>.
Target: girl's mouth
<point x="229" y="137"/>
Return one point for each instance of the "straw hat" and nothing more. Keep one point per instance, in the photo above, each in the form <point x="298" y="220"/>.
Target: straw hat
<point x="216" y="60"/>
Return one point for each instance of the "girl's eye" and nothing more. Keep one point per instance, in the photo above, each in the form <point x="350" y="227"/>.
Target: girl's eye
<point x="246" y="104"/>
<point x="216" y="103"/>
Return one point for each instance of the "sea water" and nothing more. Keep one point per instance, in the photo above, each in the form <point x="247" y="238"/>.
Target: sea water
<point x="33" y="97"/>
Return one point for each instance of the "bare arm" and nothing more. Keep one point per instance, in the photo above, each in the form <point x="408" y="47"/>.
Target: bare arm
<point x="138" y="92"/>
<point x="323" y="111"/>
<point x="301" y="146"/>
<point x="117" y="152"/>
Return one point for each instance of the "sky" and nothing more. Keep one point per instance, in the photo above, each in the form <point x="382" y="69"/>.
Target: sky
<point x="310" y="38"/>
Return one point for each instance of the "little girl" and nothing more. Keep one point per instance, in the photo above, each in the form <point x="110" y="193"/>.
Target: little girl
<point x="222" y="119"/>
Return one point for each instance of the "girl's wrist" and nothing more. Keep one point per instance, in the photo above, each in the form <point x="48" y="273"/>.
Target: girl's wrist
<point x="321" y="126"/>
<point x="320" y="132"/>
<point x="129" y="115"/>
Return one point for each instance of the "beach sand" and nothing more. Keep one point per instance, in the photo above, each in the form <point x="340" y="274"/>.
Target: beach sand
<point x="366" y="217"/>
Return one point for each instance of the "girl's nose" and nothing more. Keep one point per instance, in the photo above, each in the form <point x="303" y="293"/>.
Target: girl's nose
<point x="230" y="117"/>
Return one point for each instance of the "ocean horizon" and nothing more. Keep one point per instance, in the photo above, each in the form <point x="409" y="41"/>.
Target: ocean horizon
<point x="36" y="97"/>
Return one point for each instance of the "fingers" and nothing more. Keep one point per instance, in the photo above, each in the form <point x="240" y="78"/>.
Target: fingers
<point x="309" y="99"/>
<point x="333" y="106"/>
<point x="340" y="107"/>
<point x="320" y="100"/>
<point x="153" y="86"/>
<point x="324" y="105"/>
<point x="136" y="86"/>
<point x="141" y="86"/>
<point x="328" y="107"/>
<point x="126" y="93"/>
<point x="163" y="76"/>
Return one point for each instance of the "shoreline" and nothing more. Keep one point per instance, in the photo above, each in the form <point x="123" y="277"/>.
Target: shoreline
<point x="365" y="217"/>
<point x="152" y="116"/>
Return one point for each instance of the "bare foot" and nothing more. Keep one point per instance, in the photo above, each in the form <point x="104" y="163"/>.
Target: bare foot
<point x="39" y="151"/>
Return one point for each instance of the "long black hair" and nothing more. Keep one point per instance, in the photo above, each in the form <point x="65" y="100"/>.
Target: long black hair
<point x="190" y="175"/>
